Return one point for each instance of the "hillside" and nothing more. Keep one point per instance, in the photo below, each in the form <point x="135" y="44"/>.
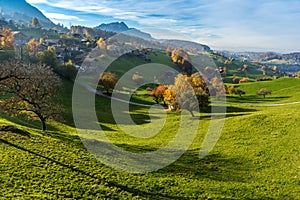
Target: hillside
<point x="22" y="13"/>
<point x="257" y="157"/>
<point x="187" y="45"/>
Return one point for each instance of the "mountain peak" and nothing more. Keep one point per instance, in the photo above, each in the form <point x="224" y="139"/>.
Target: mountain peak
<point x="121" y="27"/>
<point x="114" y="27"/>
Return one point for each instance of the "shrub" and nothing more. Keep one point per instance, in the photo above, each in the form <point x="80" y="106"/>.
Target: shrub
<point x="235" y="80"/>
<point x="244" y="80"/>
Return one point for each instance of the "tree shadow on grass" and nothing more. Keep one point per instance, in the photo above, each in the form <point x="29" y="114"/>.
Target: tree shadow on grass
<point x="101" y="181"/>
<point x="15" y="130"/>
<point x="255" y="99"/>
<point x="23" y="121"/>
<point x="227" y="109"/>
<point x="214" y="166"/>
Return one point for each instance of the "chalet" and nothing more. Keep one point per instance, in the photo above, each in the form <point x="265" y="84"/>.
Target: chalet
<point x="52" y="42"/>
<point x="61" y="53"/>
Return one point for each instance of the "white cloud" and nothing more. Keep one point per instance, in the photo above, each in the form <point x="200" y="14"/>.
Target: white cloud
<point x="37" y="1"/>
<point x="60" y="16"/>
<point x="225" y="22"/>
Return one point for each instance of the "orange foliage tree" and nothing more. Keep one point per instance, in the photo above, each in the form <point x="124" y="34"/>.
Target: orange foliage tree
<point x="158" y="93"/>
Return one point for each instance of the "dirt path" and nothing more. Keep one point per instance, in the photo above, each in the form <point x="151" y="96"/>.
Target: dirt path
<point x="274" y="105"/>
<point x="99" y="93"/>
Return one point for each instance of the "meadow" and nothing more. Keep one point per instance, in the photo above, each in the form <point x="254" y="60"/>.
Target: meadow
<point x="256" y="157"/>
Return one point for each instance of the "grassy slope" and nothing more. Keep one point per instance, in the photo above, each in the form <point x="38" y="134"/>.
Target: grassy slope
<point x="39" y="33"/>
<point x="257" y="157"/>
<point x="252" y="72"/>
<point x="283" y="90"/>
<point x="124" y="64"/>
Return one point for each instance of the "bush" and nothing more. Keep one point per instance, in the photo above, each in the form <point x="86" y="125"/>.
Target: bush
<point x="235" y="80"/>
<point x="244" y="80"/>
<point x="263" y="79"/>
<point x="66" y="71"/>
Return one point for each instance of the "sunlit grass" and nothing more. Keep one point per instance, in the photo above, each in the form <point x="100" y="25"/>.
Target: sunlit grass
<point x="256" y="157"/>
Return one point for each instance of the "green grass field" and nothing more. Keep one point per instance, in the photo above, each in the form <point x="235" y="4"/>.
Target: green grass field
<point x="284" y="90"/>
<point x="256" y="157"/>
<point x="40" y="33"/>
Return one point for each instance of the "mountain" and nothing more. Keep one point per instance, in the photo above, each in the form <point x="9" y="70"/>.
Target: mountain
<point x="121" y="27"/>
<point x="21" y="13"/>
<point x="116" y="27"/>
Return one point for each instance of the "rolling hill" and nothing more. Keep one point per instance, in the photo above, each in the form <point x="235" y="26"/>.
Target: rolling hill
<point x="256" y="157"/>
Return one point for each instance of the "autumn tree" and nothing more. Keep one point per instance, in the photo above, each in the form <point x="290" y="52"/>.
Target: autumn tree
<point x="7" y="39"/>
<point x="108" y="81"/>
<point x="181" y="59"/>
<point x="187" y="94"/>
<point x="263" y="92"/>
<point x="33" y="47"/>
<point x="158" y="93"/>
<point x="244" y="80"/>
<point x="231" y="90"/>
<point x="169" y="51"/>
<point x="31" y="90"/>
<point x="101" y="43"/>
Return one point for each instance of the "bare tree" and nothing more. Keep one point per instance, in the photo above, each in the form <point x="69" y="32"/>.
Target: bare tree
<point x="31" y="90"/>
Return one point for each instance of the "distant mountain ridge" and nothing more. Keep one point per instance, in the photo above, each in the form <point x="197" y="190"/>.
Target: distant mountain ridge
<point x="187" y="45"/>
<point x="291" y="58"/>
<point x="121" y="27"/>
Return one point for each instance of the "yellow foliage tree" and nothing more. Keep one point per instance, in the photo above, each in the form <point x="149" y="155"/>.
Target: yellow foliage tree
<point x="33" y="47"/>
<point x="7" y="39"/>
<point x="108" y="80"/>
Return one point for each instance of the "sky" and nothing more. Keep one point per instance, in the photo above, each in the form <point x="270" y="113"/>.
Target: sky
<point x="235" y="25"/>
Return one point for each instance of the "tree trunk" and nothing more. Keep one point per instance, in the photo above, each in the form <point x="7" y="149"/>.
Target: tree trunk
<point x="43" y="121"/>
<point x="44" y="125"/>
<point x="264" y="96"/>
<point x="192" y="113"/>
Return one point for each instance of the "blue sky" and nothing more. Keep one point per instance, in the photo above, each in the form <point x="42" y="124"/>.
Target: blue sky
<point x="238" y="25"/>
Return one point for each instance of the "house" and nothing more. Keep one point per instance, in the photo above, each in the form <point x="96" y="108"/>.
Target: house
<point x="61" y="53"/>
<point x="52" y="42"/>
<point x="20" y="38"/>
